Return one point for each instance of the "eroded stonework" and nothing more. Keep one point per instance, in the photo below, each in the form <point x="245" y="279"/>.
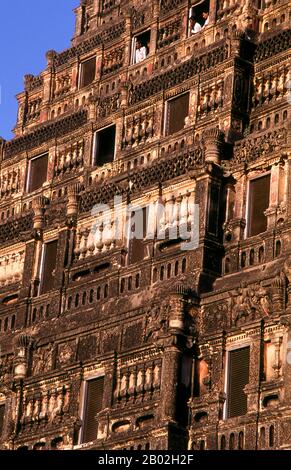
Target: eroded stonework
<point x="110" y="343"/>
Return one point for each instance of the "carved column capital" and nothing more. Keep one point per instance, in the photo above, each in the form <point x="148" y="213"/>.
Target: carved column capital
<point x="38" y="206"/>
<point x="72" y="203"/>
<point x="213" y="139"/>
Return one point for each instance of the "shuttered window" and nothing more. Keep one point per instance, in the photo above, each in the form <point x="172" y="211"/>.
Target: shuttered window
<point x="93" y="404"/>
<point x="37" y="174"/>
<point x="238" y="378"/>
<point x="88" y="71"/>
<point x="259" y="195"/>
<point x="104" y="146"/>
<point x="48" y="266"/>
<point x="2" y="411"/>
<point x="177" y="110"/>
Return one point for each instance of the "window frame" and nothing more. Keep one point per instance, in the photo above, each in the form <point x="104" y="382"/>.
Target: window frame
<point x="83" y="401"/>
<point x="226" y="375"/>
<point x="133" y="46"/>
<point x="42" y="261"/>
<point x="248" y="202"/>
<point x="80" y="73"/>
<point x="166" y="111"/>
<point x="94" y="150"/>
<point x="27" y="189"/>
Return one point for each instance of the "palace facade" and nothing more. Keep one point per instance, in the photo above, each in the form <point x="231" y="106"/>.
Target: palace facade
<point x="113" y="341"/>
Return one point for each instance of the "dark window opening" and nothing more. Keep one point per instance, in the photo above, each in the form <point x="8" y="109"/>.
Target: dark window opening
<point x="88" y="71"/>
<point x="48" y="266"/>
<point x="222" y="443"/>
<point x="238" y="378"/>
<point x="176" y="112"/>
<point x="231" y="441"/>
<point x="37" y="172"/>
<point x="259" y="194"/>
<point x="138" y="232"/>
<point x="93" y="405"/>
<point x="198" y="17"/>
<point x="2" y="413"/>
<point x="213" y="211"/>
<point x="141" y="47"/>
<point x="271" y="436"/>
<point x="104" y="146"/>
<point x="241" y="441"/>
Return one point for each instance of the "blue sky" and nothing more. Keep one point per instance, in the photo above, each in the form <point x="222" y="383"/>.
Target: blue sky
<point x="28" y="29"/>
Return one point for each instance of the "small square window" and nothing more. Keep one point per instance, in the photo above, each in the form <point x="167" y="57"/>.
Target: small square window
<point x="37" y="172"/>
<point x="104" y="148"/>
<point x="87" y="72"/>
<point x="177" y="109"/>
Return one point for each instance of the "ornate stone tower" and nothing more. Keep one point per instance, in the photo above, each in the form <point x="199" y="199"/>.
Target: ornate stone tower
<point x="114" y="341"/>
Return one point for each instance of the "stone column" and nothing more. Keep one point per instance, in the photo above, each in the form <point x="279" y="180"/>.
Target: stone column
<point x="213" y="140"/>
<point x="38" y="225"/>
<point x="213" y="5"/>
<point x="172" y="360"/>
<point x="127" y="39"/>
<point x="72" y="212"/>
<point x="155" y="27"/>
<point x="79" y="19"/>
<point x="271" y="212"/>
<point x="287" y="271"/>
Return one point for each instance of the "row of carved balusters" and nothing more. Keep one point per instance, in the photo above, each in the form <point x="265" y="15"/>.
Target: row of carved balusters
<point x="138" y="382"/>
<point x="112" y="61"/>
<point x="62" y="85"/>
<point x="11" y="268"/>
<point x="33" y="110"/>
<point x="270" y="86"/>
<point x="177" y="213"/>
<point x="169" y="33"/>
<point x="211" y="98"/>
<point x="138" y="129"/>
<point x="10" y="182"/>
<point x="71" y="158"/>
<point x="46" y="405"/>
<point x="225" y="7"/>
<point x="98" y="239"/>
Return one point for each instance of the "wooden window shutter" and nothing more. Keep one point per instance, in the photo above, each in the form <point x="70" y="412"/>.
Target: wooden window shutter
<point x="38" y="172"/>
<point x="93" y="405"/>
<point x="258" y="203"/>
<point x="49" y="266"/>
<point x="2" y="412"/>
<point x="177" y="110"/>
<point x="238" y="378"/>
<point x="88" y="71"/>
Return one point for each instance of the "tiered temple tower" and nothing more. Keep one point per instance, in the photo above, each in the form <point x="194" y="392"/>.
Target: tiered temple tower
<point x="110" y="341"/>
